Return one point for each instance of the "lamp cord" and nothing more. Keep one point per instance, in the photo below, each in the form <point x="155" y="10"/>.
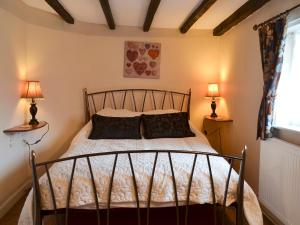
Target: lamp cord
<point x="34" y="143"/>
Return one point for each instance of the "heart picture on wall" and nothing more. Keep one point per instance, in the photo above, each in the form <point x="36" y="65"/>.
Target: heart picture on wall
<point x="142" y="60"/>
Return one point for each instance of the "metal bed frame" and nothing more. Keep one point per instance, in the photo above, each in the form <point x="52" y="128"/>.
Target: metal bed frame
<point x="157" y="99"/>
<point x="40" y="213"/>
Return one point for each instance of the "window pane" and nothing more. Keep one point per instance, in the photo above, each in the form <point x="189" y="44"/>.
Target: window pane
<point x="287" y="107"/>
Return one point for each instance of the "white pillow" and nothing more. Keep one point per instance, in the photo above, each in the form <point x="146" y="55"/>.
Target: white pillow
<point x="118" y="113"/>
<point x="127" y="113"/>
<point x="161" y="111"/>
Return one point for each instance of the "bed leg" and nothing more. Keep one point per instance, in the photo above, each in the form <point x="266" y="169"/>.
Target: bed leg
<point x="38" y="220"/>
<point x="240" y="192"/>
<point x="37" y="217"/>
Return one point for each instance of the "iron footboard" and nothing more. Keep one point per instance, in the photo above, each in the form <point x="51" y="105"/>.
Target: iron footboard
<point x="39" y="213"/>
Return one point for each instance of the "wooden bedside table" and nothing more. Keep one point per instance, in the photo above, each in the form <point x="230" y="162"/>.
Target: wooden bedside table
<point x="25" y="128"/>
<point x="212" y="127"/>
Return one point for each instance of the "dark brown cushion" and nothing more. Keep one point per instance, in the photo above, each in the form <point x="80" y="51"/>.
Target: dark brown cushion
<point x="171" y="125"/>
<point x="115" y="127"/>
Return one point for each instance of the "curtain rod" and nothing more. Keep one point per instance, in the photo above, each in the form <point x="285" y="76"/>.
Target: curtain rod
<point x="255" y="27"/>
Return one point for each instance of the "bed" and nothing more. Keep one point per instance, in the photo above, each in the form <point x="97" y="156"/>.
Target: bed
<point x="143" y="181"/>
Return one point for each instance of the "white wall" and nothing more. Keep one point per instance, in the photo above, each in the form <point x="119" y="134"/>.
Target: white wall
<point x="242" y="79"/>
<point x="12" y="70"/>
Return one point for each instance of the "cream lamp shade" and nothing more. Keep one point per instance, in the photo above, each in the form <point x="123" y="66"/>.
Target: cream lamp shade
<point x="32" y="91"/>
<point x="213" y="90"/>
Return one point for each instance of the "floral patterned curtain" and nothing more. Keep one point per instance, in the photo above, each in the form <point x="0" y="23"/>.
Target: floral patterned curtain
<point x="272" y="42"/>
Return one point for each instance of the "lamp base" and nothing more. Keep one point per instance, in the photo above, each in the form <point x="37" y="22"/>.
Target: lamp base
<point x="33" y="111"/>
<point x="34" y="122"/>
<point x="213" y="115"/>
<point x="213" y="107"/>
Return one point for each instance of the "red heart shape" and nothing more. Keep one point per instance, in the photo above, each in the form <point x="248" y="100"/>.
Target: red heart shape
<point x="154" y="72"/>
<point x="128" y="64"/>
<point x="142" y="51"/>
<point x="152" y="64"/>
<point x="139" y="67"/>
<point x="148" y="72"/>
<point x="132" y="55"/>
<point x="153" y="53"/>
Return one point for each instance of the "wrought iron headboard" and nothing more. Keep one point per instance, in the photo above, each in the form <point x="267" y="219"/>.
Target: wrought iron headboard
<point x="136" y="100"/>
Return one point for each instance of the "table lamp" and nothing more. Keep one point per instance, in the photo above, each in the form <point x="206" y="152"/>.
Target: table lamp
<point x="213" y="92"/>
<point x="32" y="91"/>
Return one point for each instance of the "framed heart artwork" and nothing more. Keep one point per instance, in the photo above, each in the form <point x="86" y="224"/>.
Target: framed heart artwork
<point x="142" y="60"/>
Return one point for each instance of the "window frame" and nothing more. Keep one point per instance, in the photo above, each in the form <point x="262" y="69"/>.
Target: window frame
<point x="288" y="135"/>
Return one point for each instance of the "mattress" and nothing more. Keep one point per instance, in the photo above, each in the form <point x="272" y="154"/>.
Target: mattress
<point x="123" y="193"/>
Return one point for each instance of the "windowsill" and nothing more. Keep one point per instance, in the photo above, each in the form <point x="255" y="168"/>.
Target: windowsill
<point x="288" y="135"/>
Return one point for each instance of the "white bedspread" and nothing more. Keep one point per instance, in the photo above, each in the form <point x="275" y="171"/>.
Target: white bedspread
<point x="123" y="190"/>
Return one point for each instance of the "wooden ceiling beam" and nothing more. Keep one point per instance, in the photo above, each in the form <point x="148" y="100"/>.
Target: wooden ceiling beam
<point x="238" y="16"/>
<point x="55" y="4"/>
<point x="108" y="14"/>
<point x="196" y="14"/>
<point x="150" y="14"/>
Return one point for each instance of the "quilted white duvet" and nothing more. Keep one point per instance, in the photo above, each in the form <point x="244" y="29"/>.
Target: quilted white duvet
<point x="123" y="190"/>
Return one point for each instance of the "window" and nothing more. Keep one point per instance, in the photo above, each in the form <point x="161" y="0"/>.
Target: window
<point x="287" y="102"/>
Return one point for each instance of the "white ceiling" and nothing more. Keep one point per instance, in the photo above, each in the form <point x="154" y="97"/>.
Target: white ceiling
<point x="170" y="13"/>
